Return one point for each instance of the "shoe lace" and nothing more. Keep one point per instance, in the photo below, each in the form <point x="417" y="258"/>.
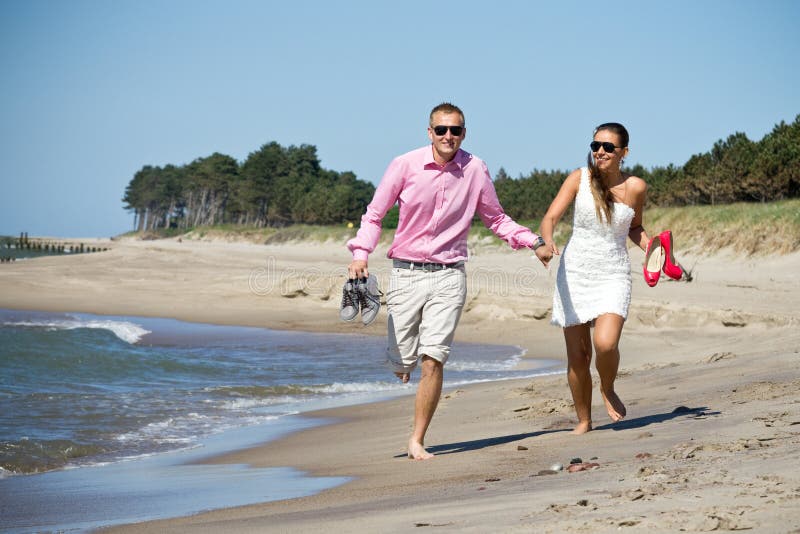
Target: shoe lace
<point x="362" y="296"/>
<point x="347" y="297"/>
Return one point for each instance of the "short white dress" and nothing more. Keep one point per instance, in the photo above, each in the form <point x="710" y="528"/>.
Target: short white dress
<point x="594" y="275"/>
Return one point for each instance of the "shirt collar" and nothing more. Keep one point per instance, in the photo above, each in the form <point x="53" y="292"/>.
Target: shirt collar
<point x="461" y="158"/>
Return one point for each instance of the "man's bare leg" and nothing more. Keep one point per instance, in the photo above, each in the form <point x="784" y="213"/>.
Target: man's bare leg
<point x="428" y="393"/>
<point x="607" y="331"/>
<point x="579" y="357"/>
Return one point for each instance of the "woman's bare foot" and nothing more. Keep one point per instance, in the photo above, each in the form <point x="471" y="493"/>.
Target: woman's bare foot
<point x="404" y="377"/>
<point x="582" y="428"/>
<point x="616" y="410"/>
<point x="416" y="451"/>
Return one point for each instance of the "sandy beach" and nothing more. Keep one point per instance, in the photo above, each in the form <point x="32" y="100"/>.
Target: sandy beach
<point x="709" y="375"/>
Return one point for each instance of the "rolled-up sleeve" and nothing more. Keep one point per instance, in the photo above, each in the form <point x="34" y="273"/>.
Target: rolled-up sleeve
<point x="491" y="213"/>
<point x="385" y="197"/>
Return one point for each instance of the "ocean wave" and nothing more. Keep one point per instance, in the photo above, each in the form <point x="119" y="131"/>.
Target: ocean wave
<point x="523" y="376"/>
<point x="28" y="456"/>
<point x="255" y="396"/>
<point x="124" y="330"/>
<point x="485" y="367"/>
<point x="359" y="387"/>
<point x="261" y="391"/>
<point x="244" y="404"/>
<point x="507" y="364"/>
<point x="188" y="429"/>
<point x="169" y="430"/>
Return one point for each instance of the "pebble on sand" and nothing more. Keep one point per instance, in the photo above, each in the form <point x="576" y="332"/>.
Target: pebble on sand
<point x="585" y="466"/>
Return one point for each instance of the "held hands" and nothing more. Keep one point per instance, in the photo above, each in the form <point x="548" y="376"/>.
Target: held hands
<point x="546" y="252"/>
<point x="358" y="269"/>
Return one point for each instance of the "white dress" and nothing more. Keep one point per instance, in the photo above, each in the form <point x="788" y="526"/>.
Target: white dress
<point x="594" y="275"/>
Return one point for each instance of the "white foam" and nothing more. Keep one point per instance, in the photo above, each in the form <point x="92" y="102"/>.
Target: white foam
<point x="124" y="330"/>
<point x="246" y="403"/>
<point x="360" y="387"/>
<point x="484" y="366"/>
<point x="188" y="429"/>
<point x="534" y="374"/>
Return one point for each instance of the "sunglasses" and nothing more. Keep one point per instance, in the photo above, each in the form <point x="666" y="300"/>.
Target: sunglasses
<point x="608" y="147"/>
<point x="455" y="130"/>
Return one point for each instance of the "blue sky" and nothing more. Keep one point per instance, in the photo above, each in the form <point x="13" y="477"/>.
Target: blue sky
<point x="93" y="90"/>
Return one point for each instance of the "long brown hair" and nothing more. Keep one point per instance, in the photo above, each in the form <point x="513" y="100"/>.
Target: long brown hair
<point x="603" y="199"/>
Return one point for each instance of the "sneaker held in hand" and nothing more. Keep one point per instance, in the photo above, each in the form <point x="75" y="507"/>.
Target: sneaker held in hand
<point x="348" y="310"/>
<point x="369" y="298"/>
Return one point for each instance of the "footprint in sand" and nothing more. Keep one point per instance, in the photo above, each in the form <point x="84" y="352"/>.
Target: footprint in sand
<point x="717" y="356"/>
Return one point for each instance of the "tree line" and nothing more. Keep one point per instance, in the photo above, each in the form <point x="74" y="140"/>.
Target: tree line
<point x="274" y="186"/>
<point x="278" y="185"/>
<point x="734" y="170"/>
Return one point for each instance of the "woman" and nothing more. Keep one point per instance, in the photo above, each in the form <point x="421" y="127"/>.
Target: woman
<point x="593" y="286"/>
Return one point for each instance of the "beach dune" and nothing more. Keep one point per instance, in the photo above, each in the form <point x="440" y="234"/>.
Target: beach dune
<point x="709" y="374"/>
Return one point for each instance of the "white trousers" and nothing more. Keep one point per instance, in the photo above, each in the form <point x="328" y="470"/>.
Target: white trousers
<point x="424" y="309"/>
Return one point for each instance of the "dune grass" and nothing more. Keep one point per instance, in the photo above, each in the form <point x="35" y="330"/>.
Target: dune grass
<point x="272" y="235"/>
<point x="750" y="228"/>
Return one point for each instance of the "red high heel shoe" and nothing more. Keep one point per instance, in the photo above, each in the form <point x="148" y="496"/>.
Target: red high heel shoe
<point x="653" y="261"/>
<point x="672" y="268"/>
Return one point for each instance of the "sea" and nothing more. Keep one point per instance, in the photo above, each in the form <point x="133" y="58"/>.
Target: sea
<point x="103" y="418"/>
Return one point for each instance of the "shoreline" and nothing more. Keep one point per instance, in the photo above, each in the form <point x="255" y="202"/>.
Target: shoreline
<point x="214" y="484"/>
<point x="153" y="486"/>
<point x="709" y="374"/>
<point x="481" y="473"/>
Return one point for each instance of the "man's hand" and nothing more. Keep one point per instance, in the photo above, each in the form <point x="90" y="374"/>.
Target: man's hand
<point x="358" y="269"/>
<point x="546" y="252"/>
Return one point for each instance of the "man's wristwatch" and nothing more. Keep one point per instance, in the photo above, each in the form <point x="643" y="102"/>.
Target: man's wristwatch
<point x="538" y="243"/>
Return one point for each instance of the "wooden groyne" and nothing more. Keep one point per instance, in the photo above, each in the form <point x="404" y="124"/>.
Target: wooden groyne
<point x="41" y="247"/>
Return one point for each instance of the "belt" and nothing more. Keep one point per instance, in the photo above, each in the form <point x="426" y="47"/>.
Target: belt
<point x="425" y="266"/>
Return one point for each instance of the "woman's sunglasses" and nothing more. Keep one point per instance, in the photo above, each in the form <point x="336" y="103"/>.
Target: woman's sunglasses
<point x="608" y="147"/>
<point x="455" y="130"/>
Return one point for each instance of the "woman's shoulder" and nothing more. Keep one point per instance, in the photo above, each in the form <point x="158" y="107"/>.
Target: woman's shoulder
<point x="635" y="183"/>
<point x="577" y="174"/>
<point x="573" y="179"/>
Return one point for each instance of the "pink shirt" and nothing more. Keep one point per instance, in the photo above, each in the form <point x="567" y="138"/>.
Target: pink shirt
<point x="437" y="205"/>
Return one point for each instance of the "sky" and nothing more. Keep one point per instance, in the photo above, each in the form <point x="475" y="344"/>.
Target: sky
<point x="91" y="91"/>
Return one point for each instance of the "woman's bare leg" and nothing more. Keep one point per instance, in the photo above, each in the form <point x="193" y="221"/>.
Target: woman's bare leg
<point x="607" y="332"/>
<point x="579" y="358"/>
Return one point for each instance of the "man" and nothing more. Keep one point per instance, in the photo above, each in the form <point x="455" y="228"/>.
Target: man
<point x="439" y="189"/>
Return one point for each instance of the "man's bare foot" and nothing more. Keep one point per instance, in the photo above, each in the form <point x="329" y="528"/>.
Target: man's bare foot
<point x="416" y="451"/>
<point x="582" y="428"/>
<point x="616" y="410"/>
<point x="404" y="377"/>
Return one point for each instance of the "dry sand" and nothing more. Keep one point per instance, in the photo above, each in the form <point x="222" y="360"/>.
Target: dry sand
<point x="709" y="374"/>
